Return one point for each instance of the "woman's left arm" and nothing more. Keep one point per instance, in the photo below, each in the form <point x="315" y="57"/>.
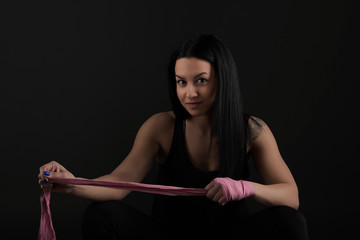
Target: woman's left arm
<point x="278" y="185"/>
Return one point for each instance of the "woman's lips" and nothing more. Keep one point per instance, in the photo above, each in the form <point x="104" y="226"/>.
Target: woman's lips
<point x="193" y="105"/>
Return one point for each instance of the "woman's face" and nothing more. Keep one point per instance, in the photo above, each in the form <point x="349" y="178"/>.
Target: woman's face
<point x="196" y="85"/>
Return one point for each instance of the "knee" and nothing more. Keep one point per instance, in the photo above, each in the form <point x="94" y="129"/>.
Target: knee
<point x="292" y="223"/>
<point x="98" y="221"/>
<point x="291" y="215"/>
<point x="100" y="212"/>
<point x="95" y="212"/>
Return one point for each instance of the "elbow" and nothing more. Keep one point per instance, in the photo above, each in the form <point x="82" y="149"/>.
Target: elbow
<point x="294" y="202"/>
<point x="293" y="198"/>
<point x="290" y="202"/>
<point x="297" y="202"/>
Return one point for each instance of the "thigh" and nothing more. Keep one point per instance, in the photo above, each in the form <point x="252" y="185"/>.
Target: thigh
<point x="116" y="220"/>
<point x="278" y="223"/>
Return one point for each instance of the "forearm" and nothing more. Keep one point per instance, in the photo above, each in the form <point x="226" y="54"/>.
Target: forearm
<point x="276" y="194"/>
<point x="95" y="193"/>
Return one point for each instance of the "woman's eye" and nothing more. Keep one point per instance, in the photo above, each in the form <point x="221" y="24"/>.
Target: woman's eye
<point x="202" y="80"/>
<point x="180" y="82"/>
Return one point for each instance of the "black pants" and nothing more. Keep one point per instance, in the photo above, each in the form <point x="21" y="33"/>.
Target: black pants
<point x="116" y="220"/>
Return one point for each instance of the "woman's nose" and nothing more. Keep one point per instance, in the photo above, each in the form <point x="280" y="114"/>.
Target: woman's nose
<point x="192" y="92"/>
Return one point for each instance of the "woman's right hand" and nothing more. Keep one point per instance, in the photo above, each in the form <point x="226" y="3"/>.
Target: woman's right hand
<point x="54" y="169"/>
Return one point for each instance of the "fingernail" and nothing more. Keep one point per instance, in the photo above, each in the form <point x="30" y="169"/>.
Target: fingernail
<point x="46" y="181"/>
<point x="46" y="173"/>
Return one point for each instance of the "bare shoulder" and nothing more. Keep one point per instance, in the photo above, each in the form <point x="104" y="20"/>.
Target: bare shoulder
<point x="164" y="116"/>
<point x="260" y="135"/>
<point x="159" y="125"/>
<point x="161" y="121"/>
<point x="256" y="127"/>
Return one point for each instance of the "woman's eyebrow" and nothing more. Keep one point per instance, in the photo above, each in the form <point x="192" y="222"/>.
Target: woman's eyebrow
<point x="197" y="75"/>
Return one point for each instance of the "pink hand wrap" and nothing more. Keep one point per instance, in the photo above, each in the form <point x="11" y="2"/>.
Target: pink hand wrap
<point x="46" y="229"/>
<point x="235" y="189"/>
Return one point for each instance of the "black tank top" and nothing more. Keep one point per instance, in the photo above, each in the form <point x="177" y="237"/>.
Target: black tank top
<point x="190" y="212"/>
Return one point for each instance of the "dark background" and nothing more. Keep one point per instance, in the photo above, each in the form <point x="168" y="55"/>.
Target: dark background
<point x="77" y="80"/>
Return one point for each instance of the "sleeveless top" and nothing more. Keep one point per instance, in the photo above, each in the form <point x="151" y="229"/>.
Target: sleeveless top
<point x="191" y="212"/>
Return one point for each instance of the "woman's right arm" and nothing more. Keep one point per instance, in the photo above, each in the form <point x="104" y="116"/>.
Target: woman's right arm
<point x="133" y="168"/>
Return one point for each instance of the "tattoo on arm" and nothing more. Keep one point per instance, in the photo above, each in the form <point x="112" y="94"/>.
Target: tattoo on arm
<point x="254" y="129"/>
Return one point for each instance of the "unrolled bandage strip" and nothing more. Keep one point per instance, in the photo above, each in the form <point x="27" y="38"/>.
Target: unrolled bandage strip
<point x="46" y="230"/>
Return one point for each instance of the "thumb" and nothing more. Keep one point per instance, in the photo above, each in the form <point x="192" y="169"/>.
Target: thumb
<point x="59" y="187"/>
<point x="59" y="175"/>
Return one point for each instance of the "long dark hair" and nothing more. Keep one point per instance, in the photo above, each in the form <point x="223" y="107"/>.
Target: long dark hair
<point x="227" y="119"/>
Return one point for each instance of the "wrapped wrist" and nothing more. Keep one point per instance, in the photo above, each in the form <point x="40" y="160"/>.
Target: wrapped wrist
<point x="234" y="190"/>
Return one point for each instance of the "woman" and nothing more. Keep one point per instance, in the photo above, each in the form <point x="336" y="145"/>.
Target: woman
<point x="206" y="142"/>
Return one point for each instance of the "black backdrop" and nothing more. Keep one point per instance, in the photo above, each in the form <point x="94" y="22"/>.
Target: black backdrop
<point x="78" y="79"/>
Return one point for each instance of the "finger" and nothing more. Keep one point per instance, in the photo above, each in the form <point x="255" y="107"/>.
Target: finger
<point x="55" y="174"/>
<point x="44" y="181"/>
<point x="50" y="169"/>
<point x="40" y="175"/>
<point x="47" y="167"/>
<point x="52" y="166"/>
<point x="218" y="195"/>
<point x="210" y="185"/>
<point x="44" y="177"/>
<point x="46" y="186"/>
<point x="44" y="173"/>
<point x="211" y="193"/>
<point x="56" y="167"/>
<point x="222" y="201"/>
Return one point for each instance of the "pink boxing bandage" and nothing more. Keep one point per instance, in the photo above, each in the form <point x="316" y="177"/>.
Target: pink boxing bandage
<point x="235" y="189"/>
<point x="46" y="229"/>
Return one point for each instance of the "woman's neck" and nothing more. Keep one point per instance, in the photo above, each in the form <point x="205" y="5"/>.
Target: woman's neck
<point x="202" y="123"/>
